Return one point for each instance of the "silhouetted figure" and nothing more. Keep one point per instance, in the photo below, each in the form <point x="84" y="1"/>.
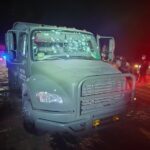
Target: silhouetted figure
<point x="143" y="69"/>
<point x="104" y="53"/>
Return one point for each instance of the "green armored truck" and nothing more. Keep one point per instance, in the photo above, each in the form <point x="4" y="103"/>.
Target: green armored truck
<point x="65" y="86"/>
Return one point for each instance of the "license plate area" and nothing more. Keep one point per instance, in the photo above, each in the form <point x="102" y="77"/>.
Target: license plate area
<point x="105" y="121"/>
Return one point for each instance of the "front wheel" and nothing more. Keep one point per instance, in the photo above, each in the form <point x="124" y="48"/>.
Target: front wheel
<point x="27" y="114"/>
<point x="28" y="119"/>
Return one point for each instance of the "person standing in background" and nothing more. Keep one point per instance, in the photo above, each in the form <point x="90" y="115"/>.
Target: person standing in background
<point x="104" y="53"/>
<point x="143" y="69"/>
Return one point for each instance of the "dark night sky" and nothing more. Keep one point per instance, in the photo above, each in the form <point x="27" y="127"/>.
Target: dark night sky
<point x="128" y="21"/>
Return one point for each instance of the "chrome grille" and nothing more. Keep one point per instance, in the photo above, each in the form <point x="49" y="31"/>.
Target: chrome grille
<point x="101" y="92"/>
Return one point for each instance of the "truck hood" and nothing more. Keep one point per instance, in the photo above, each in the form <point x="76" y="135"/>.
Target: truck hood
<point x="63" y="77"/>
<point x="71" y="70"/>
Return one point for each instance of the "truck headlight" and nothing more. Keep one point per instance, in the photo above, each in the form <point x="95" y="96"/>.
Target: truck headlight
<point x="45" y="97"/>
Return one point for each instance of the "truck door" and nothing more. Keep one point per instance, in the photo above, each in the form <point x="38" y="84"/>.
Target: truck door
<point x="23" y="59"/>
<point x="13" y="60"/>
<point x="106" y="46"/>
<point x="16" y="45"/>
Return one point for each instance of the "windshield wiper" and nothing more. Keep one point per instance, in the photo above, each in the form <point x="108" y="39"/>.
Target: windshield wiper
<point x="54" y="57"/>
<point x="66" y="57"/>
<point x="81" y="57"/>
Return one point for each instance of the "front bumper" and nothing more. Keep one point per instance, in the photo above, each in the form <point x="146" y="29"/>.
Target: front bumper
<point x="79" y="126"/>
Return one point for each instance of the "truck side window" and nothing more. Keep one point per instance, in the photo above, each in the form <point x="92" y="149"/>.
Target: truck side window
<point x="15" y="41"/>
<point x="13" y="45"/>
<point x="22" y="44"/>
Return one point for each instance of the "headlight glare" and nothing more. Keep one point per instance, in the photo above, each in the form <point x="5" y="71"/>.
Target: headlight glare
<point x="46" y="97"/>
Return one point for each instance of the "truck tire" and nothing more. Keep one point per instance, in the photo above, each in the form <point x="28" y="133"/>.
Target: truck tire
<point x="28" y="120"/>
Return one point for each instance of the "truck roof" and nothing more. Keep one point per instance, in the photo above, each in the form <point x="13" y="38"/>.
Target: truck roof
<point x="26" y="26"/>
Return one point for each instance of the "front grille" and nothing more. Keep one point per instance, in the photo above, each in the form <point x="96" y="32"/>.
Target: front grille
<point x="101" y="92"/>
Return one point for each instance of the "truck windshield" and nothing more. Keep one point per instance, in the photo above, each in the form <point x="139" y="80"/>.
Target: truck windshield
<point x="58" y="44"/>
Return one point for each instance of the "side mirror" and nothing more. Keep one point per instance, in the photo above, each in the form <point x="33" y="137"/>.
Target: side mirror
<point x="111" y="48"/>
<point x="10" y="40"/>
<point x="24" y="48"/>
<point x="111" y="45"/>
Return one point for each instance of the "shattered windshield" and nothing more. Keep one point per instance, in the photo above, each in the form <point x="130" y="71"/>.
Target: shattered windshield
<point x="58" y="44"/>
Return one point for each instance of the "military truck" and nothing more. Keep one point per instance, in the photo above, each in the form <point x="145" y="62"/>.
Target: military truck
<point x="65" y="86"/>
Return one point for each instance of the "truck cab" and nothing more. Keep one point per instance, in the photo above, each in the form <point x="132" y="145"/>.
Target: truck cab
<point x="65" y="86"/>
